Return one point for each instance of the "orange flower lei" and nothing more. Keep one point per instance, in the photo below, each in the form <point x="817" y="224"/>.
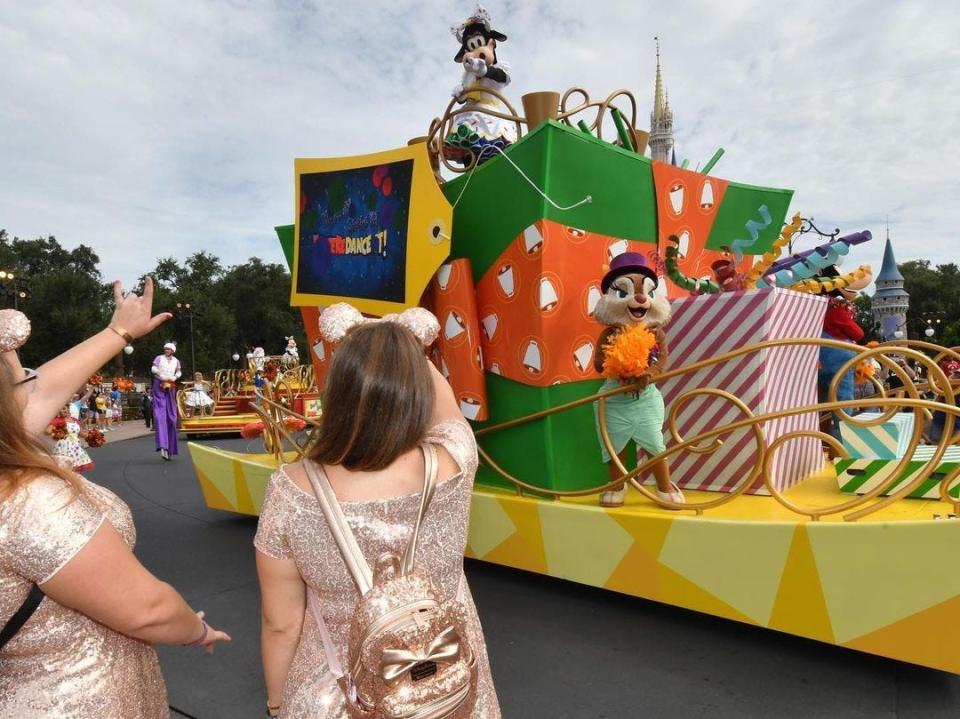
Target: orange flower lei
<point x="627" y="354"/>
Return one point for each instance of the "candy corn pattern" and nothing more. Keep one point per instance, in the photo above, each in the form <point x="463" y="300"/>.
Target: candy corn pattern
<point x="536" y="303"/>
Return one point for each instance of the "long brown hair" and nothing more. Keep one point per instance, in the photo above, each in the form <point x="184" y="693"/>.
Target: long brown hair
<point x="22" y="456"/>
<point x="378" y="398"/>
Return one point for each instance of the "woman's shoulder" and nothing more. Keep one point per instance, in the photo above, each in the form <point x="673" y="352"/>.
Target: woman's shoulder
<point x="47" y="500"/>
<point x="40" y="491"/>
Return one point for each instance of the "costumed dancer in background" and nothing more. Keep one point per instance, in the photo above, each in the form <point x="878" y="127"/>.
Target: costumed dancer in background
<point x="258" y="356"/>
<point x="475" y="131"/>
<point x="291" y="355"/>
<point x="67" y="448"/>
<point x="634" y="313"/>
<point x="838" y="324"/>
<point x="197" y="398"/>
<point x="166" y="372"/>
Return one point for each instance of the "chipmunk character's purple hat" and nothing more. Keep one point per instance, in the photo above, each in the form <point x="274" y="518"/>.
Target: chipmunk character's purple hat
<point x="627" y="263"/>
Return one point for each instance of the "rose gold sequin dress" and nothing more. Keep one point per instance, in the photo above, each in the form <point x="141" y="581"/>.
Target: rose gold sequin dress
<point x="61" y="663"/>
<point x="292" y="526"/>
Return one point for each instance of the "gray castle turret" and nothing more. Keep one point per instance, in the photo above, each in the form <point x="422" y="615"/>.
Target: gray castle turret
<point x="661" y="119"/>
<point x="890" y="301"/>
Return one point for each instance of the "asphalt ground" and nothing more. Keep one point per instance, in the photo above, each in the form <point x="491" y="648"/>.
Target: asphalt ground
<point x="557" y="649"/>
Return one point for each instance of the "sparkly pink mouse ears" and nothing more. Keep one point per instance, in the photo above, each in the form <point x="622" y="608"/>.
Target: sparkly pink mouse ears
<point x="338" y="319"/>
<point x="14" y="330"/>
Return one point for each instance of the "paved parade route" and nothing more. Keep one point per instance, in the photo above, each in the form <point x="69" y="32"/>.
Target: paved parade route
<point x="557" y="649"/>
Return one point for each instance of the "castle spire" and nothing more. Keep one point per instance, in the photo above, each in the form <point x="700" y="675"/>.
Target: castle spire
<point x="661" y="118"/>
<point x="659" y="100"/>
<point x="891" y="301"/>
<point x="889" y="271"/>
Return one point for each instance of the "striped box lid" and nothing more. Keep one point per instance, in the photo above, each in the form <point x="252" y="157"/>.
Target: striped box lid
<point x="886" y="441"/>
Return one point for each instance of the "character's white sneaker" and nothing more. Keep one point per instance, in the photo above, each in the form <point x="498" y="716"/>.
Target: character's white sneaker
<point x="613" y="497"/>
<point x="165" y="454"/>
<point x="674" y="495"/>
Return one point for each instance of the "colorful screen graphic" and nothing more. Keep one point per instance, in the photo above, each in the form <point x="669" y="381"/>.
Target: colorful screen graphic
<point x="353" y="232"/>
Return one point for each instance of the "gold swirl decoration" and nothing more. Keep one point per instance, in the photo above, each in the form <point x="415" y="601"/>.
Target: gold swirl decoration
<point x="596" y="110"/>
<point x="276" y="405"/>
<point x="908" y="398"/>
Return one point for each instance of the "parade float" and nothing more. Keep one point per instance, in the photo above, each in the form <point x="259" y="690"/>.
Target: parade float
<point x="510" y="247"/>
<point x="234" y="397"/>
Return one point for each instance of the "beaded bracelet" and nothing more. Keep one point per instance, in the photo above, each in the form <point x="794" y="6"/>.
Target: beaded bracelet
<point x="203" y="636"/>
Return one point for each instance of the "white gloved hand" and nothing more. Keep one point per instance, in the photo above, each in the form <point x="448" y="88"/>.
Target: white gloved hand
<point x="476" y="66"/>
<point x="458" y="90"/>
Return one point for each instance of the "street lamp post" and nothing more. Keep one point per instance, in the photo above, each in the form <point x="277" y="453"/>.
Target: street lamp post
<point x="933" y="320"/>
<point x="14" y="287"/>
<point x="189" y="309"/>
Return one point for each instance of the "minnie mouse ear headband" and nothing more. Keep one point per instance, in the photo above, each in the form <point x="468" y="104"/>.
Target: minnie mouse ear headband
<point x="170" y="346"/>
<point x="338" y="319"/>
<point x="14" y="330"/>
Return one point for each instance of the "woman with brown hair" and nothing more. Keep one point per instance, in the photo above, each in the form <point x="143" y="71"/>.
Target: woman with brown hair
<point x="78" y="612"/>
<point x="383" y="402"/>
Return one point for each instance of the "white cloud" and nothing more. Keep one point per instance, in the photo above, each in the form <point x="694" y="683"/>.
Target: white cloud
<point x="146" y="131"/>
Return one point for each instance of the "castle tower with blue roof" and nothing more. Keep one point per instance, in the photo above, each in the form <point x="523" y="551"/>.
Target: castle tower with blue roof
<point x="890" y="301"/>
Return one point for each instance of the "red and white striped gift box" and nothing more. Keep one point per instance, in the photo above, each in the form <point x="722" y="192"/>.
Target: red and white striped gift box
<point x="766" y="381"/>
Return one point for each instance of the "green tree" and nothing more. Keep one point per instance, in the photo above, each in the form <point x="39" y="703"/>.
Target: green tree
<point x="933" y="291"/>
<point x="68" y="300"/>
<point x="259" y="295"/>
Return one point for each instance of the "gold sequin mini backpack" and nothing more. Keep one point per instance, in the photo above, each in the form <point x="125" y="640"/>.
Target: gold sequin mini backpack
<point x="409" y="656"/>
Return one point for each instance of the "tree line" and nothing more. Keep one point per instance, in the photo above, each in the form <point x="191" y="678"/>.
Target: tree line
<point x="234" y="308"/>
<point x="67" y="300"/>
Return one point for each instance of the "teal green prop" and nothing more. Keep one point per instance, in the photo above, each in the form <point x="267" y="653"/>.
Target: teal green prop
<point x="684" y="164"/>
<point x="285" y="234"/>
<point x="740" y="206"/>
<point x="584" y="127"/>
<point x="712" y="161"/>
<point x="859" y="476"/>
<point x="557" y="452"/>
<point x="625" y="139"/>
<point x="498" y="203"/>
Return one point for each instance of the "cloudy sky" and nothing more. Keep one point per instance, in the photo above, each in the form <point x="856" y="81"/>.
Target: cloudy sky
<point x="149" y="129"/>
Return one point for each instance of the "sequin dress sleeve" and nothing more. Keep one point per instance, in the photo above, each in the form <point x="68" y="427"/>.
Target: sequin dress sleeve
<point x="274" y="516"/>
<point x="61" y="663"/>
<point x="44" y="528"/>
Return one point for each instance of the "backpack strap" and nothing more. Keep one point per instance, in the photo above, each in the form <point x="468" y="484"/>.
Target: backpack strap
<point x="342" y="534"/>
<point x="430" y="468"/>
<point x="23" y="613"/>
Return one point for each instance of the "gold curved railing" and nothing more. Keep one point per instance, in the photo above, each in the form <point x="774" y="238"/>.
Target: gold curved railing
<point x="274" y="405"/>
<point x="441" y="127"/>
<point x="907" y="398"/>
<point x="232" y="382"/>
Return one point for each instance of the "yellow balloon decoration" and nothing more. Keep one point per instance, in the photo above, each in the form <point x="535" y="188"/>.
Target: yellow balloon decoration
<point x="815" y="286"/>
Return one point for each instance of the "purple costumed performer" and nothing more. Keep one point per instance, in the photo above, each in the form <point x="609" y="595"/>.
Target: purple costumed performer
<point x="166" y="372"/>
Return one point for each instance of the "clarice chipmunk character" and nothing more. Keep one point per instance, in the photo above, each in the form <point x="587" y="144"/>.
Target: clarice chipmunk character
<point x="631" y="298"/>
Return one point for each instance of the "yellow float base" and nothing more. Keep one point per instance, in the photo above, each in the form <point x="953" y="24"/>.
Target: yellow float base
<point x="886" y="585"/>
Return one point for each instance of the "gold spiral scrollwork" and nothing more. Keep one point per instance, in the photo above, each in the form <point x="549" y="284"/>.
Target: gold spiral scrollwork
<point x="908" y="398"/>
